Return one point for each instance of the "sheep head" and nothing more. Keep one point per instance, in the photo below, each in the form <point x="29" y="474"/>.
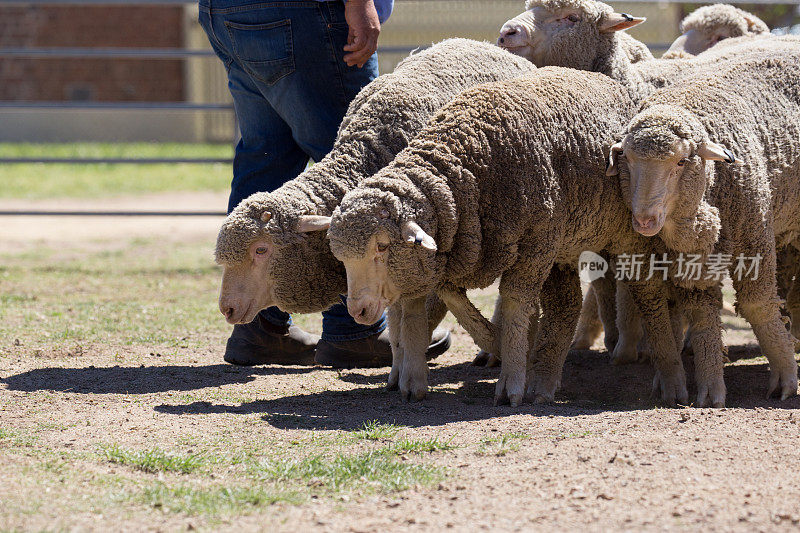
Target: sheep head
<point x="273" y="253"/>
<point x="562" y="32"/>
<point x="663" y="173"/>
<point x="386" y="253"/>
<point x="706" y="26"/>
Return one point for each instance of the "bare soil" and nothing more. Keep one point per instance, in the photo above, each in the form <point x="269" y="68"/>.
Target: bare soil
<point x="603" y="457"/>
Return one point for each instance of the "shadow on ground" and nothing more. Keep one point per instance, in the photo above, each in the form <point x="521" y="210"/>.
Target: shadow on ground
<point x="463" y="392"/>
<point x="140" y="380"/>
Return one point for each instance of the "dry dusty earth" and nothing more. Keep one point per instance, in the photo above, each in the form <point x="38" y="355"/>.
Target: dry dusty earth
<point x="603" y="457"/>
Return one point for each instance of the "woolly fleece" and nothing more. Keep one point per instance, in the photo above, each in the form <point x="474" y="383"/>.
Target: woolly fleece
<point x="380" y="122"/>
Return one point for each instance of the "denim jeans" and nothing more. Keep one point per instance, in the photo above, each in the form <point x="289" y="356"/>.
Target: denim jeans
<point x="290" y="89"/>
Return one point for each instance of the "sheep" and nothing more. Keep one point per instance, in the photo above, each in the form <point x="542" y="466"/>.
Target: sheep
<point x="585" y="34"/>
<point x="702" y="29"/>
<point x="271" y="246"/>
<point x="742" y="207"/>
<point x="505" y="181"/>
<point x="706" y="26"/>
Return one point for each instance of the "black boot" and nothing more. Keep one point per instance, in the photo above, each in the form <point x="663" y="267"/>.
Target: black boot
<point x="262" y="343"/>
<point x="374" y="351"/>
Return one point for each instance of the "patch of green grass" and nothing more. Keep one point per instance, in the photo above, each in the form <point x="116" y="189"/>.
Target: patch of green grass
<point x="154" y="460"/>
<point x="211" y="500"/>
<point x="101" y="180"/>
<point x="374" y="430"/>
<point x="502" y="444"/>
<point x="151" y="294"/>
<point x="578" y="435"/>
<point x="372" y="471"/>
<point x="15" y="439"/>
<point x="433" y="444"/>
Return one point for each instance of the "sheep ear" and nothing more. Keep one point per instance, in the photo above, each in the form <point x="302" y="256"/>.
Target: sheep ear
<point x="413" y="234"/>
<point x="309" y="223"/>
<point x="613" y="160"/>
<point x="715" y="152"/>
<point x="618" y="22"/>
<point x="753" y="24"/>
<point x="266" y="216"/>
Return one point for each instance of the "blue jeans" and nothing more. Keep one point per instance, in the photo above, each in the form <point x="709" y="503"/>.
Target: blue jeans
<point x="291" y="89"/>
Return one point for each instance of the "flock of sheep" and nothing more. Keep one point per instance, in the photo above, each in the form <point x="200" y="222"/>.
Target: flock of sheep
<point x="473" y="162"/>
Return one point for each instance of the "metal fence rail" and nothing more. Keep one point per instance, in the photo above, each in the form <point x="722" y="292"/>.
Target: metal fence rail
<point x="139" y="53"/>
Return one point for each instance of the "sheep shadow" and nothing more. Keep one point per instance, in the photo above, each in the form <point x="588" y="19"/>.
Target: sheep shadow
<point x="139" y="380"/>
<point x="590" y="385"/>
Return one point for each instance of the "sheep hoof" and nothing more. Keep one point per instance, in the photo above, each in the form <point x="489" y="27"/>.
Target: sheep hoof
<point x="493" y="361"/>
<point x="624" y="354"/>
<point x="784" y="382"/>
<point x="711" y="393"/>
<point x="542" y="399"/>
<point x="509" y="389"/>
<point x="481" y="359"/>
<point x="583" y="343"/>
<point x="543" y="388"/>
<point x="393" y="383"/>
<point x="671" y="388"/>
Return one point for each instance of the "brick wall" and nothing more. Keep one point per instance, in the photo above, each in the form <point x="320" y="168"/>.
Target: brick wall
<point x="91" y="79"/>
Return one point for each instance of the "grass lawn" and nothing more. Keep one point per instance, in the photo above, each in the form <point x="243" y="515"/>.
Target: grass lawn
<point x="37" y="181"/>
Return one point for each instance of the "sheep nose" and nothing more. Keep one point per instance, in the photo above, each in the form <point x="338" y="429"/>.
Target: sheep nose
<point x="356" y="309"/>
<point x="645" y="221"/>
<point x="509" y="30"/>
<point x="226" y="311"/>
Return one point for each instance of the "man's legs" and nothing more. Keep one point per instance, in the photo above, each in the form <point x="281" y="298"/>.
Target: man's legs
<point x="290" y="96"/>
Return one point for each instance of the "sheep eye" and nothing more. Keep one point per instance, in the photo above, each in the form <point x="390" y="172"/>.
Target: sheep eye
<point x="383" y="247"/>
<point x="261" y="250"/>
<point x="682" y="162"/>
<point x="572" y="17"/>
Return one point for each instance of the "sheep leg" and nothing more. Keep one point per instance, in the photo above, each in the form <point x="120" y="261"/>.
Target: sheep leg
<point x="758" y="302"/>
<point x="589" y="325"/>
<point x="776" y="343"/>
<point x="605" y="292"/>
<point x="483" y="332"/>
<point x="629" y="327"/>
<point x="670" y="379"/>
<point x="793" y="303"/>
<point x="513" y="351"/>
<point x="414" y="341"/>
<point x="702" y="308"/>
<point x="436" y="310"/>
<point x="520" y="290"/>
<point x="485" y="358"/>
<point x="561" y="306"/>
<point x="395" y="317"/>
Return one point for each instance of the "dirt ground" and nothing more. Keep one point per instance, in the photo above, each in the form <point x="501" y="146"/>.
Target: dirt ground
<point x="603" y="457"/>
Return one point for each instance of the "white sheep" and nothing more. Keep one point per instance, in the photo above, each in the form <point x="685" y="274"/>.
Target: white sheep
<point x="706" y="26"/>
<point x="748" y="106"/>
<point x="506" y="181"/>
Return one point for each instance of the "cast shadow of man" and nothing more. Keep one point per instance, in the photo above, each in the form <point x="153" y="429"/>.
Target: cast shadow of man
<point x="139" y="380"/>
<point x="590" y="385"/>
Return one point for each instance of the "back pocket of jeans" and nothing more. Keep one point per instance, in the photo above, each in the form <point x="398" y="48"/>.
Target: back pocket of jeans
<point x="264" y="50"/>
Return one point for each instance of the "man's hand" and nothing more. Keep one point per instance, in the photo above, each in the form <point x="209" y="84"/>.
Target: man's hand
<point x="362" y="39"/>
